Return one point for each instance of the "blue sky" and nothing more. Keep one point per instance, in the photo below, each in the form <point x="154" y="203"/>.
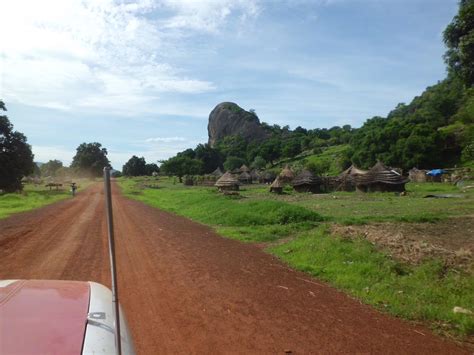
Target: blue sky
<point x="141" y="76"/>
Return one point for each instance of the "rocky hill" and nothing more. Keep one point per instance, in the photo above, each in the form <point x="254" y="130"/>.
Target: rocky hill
<point x="229" y="119"/>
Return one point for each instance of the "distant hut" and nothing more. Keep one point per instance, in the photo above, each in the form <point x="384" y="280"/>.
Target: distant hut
<point x="267" y="177"/>
<point x="255" y="174"/>
<point x="416" y="175"/>
<point x="306" y="181"/>
<point x="207" y="180"/>
<point x="287" y="175"/>
<point x="435" y="175"/>
<point x="217" y="173"/>
<point x="381" y="178"/>
<point x="277" y="186"/>
<point x="188" y="180"/>
<point x="245" y="178"/>
<point x="227" y="182"/>
<point x="346" y="179"/>
<point x="244" y="169"/>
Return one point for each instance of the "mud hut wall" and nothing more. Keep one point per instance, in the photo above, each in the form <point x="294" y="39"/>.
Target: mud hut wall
<point x="307" y="188"/>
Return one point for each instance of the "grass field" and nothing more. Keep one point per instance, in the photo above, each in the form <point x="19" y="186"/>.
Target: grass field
<point x="33" y="197"/>
<point x="427" y="292"/>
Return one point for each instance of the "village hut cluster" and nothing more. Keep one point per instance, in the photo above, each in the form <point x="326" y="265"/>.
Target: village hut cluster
<point x="379" y="178"/>
<point x="452" y="175"/>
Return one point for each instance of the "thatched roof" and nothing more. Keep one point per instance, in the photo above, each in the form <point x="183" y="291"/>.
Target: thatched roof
<point x="227" y="180"/>
<point x="380" y="173"/>
<point x="244" y="169"/>
<point x="255" y="174"/>
<point x="245" y="176"/>
<point x="287" y="174"/>
<point x="277" y="183"/>
<point x="268" y="175"/>
<point x="218" y="172"/>
<point x="306" y="177"/>
<point x="352" y="171"/>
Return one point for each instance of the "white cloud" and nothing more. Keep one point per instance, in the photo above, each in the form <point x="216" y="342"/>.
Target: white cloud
<point x="207" y="15"/>
<point x="166" y="139"/>
<point x="102" y="54"/>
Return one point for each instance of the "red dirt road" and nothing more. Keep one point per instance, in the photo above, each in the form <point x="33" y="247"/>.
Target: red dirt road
<point x="187" y="290"/>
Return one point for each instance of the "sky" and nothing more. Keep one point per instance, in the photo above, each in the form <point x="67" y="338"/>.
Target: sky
<point x="142" y="76"/>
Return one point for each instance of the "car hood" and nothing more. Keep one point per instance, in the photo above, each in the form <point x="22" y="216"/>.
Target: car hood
<point x="43" y="317"/>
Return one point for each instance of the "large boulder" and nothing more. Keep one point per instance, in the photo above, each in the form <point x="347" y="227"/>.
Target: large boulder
<point x="229" y="119"/>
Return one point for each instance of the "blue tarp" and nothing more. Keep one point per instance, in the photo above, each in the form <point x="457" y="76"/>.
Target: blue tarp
<point x="435" y="172"/>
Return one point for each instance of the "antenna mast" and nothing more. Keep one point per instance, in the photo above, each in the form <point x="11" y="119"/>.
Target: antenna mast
<point x="110" y="230"/>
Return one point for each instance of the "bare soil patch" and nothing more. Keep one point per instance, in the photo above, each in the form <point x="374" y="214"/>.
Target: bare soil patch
<point x="450" y="240"/>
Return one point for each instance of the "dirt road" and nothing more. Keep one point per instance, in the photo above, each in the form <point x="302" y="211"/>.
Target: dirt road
<point x="187" y="290"/>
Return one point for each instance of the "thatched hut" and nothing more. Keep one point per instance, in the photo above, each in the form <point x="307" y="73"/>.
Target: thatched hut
<point x="244" y="169"/>
<point x="287" y="175"/>
<point x="227" y="182"/>
<point x="346" y="179"/>
<point x="277" y="186"/>
<point x="218" y="172"/>
<point x="381" y="178"/>
<point x="416" y="175"/>
<point x="267" y="177"/>
<point x="188" y="180"/>
<point x="206" y="180"/>
<point x="255" y="174"/>
<point x="306" y="181"/>
<point x="245" y="178"/>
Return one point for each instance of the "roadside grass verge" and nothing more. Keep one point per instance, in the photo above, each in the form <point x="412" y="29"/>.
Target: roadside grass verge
<point x="32" y="197"/>
<point x="237" y="218"/>
<point x="428" y="292"/>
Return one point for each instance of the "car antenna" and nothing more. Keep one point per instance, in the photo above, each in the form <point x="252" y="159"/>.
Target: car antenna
<point x="110" y="231"/>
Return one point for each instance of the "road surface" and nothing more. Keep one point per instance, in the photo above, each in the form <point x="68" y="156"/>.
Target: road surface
<point x="187" y="290"/>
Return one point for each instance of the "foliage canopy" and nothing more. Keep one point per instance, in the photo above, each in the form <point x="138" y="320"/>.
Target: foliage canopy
<point x="16" y="158"/>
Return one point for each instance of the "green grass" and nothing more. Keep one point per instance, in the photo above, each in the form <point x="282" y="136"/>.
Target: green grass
<point x="423" y="293"/>
<point x="360" y="208"/>
<point x="239" y="218"/>
<point x="428" y="292"/>
<point x="258" y="207"/>
<point x="32" y="197"/>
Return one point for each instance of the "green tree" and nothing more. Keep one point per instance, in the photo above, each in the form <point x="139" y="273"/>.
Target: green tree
<point x="459" y="38"/>
<point x="234" y="146"/>
<point x="319" y="167"/>
<point x="258" y="163"/>
<point x="151" y="168"/>
<point x="232" y="163"/>
<point x="135" y="166"/>
<point x="16" y="158"/>
<point x="51" y="168"/>
<point x="270" y="150"/>
<point x="292" y="148"/>
<point x="210" y="157"/>
<point x="180" y="166"/>
<point x="90" y="159"/>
